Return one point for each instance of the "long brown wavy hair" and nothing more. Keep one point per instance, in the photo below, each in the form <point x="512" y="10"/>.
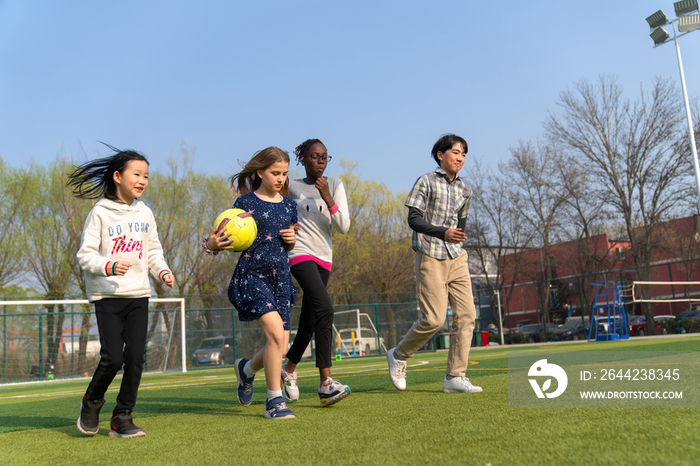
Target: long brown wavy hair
<point x="247" y="180"/>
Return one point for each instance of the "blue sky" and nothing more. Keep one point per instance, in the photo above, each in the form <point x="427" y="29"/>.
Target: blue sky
<point x="377" y="81"/>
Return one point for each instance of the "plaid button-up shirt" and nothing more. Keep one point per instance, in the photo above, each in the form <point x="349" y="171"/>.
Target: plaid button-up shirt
<point x="444" y="203"/>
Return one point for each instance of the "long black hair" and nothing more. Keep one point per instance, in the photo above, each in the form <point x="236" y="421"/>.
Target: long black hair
<point x="95" y="179"/>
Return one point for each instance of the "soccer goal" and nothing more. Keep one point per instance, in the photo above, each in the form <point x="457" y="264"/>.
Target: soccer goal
<point x="43" y="338"/>
<point x="356" y="335"/>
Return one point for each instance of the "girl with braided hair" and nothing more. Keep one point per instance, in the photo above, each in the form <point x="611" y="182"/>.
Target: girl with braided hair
<point x="321" y="206"/>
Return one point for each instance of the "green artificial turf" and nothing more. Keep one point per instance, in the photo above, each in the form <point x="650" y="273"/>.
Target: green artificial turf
<point x="194" y="418"/>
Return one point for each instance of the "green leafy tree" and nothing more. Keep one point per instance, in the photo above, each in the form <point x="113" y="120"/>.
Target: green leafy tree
<point x="185" y="203"/>
<point x="14" y="192"/>
<point x="47" y="255"/>
<point x="75" y="212"/>
<point x="375" y="256"/>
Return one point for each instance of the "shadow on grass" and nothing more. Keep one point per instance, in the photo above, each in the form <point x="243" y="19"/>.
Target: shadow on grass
<point x="20" y="423"/>
<point x="38" y="415"/>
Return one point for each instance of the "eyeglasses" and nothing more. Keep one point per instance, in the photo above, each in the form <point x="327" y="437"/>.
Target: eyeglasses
<point x="325" y="158"/>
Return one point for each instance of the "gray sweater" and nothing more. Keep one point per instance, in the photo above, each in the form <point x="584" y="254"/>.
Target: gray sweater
<point x="316" y="222"/>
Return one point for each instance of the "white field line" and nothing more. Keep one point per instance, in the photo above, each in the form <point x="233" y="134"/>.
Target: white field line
<point x="211" y="380"/>
<point x="304" y="375"/>
<point x="490" y="355"/>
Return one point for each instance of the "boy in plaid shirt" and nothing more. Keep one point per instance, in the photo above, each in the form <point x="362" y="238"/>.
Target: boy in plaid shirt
<point x="438" y="206"/>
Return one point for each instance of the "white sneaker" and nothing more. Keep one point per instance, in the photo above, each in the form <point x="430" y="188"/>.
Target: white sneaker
<point x="290" y="389"/>
<point x="331" y="391"/>
<point x="459" y="385"/>
<point x="397" y="370"/>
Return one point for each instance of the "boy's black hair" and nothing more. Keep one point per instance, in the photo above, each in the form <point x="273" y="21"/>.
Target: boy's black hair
<point x="445" y="143"/>
<point x="93" y="180"/>
<point x="302" y="150"/>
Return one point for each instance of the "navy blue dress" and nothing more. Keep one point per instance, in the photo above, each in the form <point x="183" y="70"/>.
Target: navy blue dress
<point x="261" y="282"/>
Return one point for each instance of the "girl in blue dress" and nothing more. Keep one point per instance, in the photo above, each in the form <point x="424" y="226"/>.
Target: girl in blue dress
<point x="261" y="287"/>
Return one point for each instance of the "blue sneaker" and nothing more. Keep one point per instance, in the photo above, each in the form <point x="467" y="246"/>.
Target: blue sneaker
<point x="276" y="408"/>
<point x="244" y="392"/>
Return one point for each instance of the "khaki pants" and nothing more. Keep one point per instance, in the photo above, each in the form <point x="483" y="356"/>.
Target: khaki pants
<point x="440" y="281"/>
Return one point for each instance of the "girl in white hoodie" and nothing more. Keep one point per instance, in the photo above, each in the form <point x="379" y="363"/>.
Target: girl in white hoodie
<point x="119" y="247"/>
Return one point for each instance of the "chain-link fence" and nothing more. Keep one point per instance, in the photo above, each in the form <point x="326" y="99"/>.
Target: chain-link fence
<point x="61" y="339"/>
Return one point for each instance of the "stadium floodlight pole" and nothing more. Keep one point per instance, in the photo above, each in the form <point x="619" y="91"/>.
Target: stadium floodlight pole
<point x="687" y="23"/>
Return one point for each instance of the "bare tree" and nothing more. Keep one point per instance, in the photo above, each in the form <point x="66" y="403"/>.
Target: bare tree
<point x="588" y="218"/>
<point x="679" y="240"/>
<point x="494" y="230"/>
<point x="538" y="195"/>
<point x="636" y="152"/>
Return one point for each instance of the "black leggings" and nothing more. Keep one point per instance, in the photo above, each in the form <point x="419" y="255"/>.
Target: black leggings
<point x="316" y="314"/>
<point x="123" y="326"/>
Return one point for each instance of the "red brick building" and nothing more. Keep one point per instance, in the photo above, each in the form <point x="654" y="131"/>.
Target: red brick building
<point x="575" y="265"/>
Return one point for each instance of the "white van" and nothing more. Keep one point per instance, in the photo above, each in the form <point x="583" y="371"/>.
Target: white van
<point x="93" y="347"/>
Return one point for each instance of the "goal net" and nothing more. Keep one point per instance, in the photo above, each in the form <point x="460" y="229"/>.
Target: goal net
<point x="44" y="339"/>
<point x="664" y="292"/>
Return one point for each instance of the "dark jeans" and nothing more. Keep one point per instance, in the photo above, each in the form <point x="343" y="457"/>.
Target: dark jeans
<point x="316" y="314"/>
<point x="123" y="326"/>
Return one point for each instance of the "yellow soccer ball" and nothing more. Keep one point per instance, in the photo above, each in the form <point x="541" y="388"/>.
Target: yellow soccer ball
<point x="241" y="225"/>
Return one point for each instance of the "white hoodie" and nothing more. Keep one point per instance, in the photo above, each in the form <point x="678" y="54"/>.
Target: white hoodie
<point x="114" y="232"/>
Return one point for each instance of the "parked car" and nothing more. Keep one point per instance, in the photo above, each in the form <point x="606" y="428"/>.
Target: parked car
<point x="369" y="340"/>
<point x="664" y="318"/>
<point x="661" y="320"/>
<point x="689" y="315"/>
<point x="638" y="326"/>
<point x="214" y="351"/>
<point x="573" y="329"/>
<point x="614" y="324"/>
<point x="531" y="332"/>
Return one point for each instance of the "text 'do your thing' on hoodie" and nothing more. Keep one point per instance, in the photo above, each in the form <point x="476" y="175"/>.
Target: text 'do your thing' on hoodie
<point x="115" y="232"/>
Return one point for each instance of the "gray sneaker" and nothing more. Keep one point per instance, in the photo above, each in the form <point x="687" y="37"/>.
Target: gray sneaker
<point x="290" y="389"/>
<point x="459" y="385"/>
<point x="397" y="370"/>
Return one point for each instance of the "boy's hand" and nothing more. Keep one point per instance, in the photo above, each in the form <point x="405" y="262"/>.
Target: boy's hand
<point x="455" y="235"/>
<point x="216" y="241"/>
<point x="169" y="281"/>
<point x="121" y="267"/>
